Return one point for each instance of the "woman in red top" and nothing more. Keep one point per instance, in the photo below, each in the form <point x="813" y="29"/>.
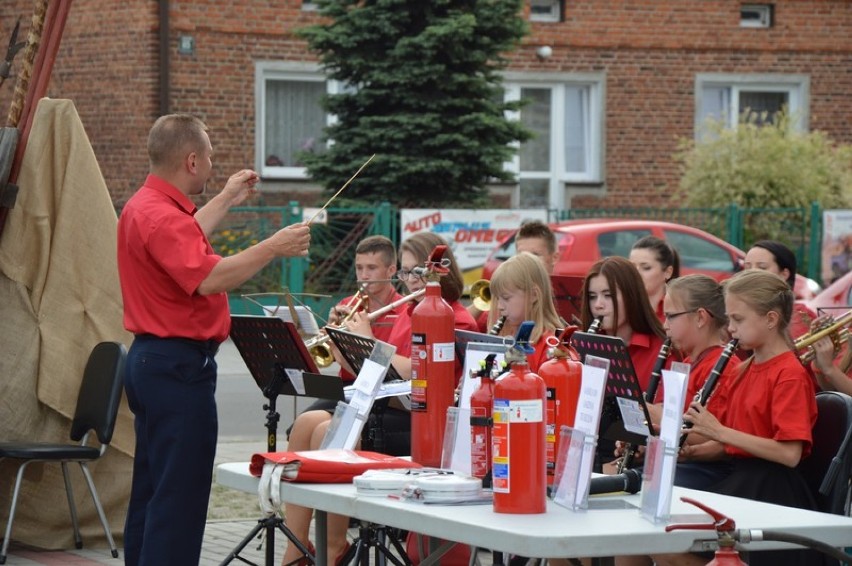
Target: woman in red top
<point x="310" y="427"/>
<point x="613" y="290"/>
<point x="766" y="430"/>
<point x="696" y="321"/>
<point x="658" y="263"/>
<point x="520" y="290"/>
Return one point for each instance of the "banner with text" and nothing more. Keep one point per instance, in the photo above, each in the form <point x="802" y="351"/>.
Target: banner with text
<point x="836" y="244"/>
<point x="471" y="233"/>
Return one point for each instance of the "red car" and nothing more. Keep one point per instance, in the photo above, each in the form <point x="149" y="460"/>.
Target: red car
<point x="583" y="242"/>
<point x="834" y="299"/>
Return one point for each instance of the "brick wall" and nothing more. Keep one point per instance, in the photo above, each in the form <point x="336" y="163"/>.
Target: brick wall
<point x="650" y="50"/>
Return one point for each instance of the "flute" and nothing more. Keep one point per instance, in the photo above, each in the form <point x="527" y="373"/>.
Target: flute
<point x="651" y="392"/>
<point x="706" y="391"/>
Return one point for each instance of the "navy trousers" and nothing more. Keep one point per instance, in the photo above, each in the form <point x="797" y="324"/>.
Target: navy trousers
<point x="170" y="385"/>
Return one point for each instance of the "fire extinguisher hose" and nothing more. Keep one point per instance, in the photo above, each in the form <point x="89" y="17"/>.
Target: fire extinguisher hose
<point x="748" y="535"/>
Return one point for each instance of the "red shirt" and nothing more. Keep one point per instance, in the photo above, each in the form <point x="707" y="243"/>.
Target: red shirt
<point x="163" y="256"/>
<point x="540" y="355"/>
<point x="644" y="349"/>
<point x="699" y="372"/>
<point x="773" y="399"/>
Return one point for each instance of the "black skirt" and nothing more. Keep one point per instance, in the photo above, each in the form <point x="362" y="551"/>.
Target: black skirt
<point x="769" y="482"/>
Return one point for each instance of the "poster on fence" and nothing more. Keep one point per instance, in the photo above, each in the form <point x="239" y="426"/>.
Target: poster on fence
<point x="836" y="244"/>
<point x="471" y="233"/>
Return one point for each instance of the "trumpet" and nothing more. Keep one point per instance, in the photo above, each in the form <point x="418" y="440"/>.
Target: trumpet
<point x="318" y="346"/>
<point x="836" y="329"/>
<point x="480" y="292"/>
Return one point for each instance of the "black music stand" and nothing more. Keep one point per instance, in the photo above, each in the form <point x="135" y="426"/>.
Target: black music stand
<point x="621" y="383"/>
<point x="355" y="349"/>
<point x="271" y="349"/>
<point x="464" y="337"/>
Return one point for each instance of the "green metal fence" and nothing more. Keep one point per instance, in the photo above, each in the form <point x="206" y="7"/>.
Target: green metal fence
<point x="319" y="280"/>
<point x="328" y="273"/>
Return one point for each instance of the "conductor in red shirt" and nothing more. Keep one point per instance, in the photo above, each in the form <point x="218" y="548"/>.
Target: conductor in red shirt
<point x="174" y="288"/>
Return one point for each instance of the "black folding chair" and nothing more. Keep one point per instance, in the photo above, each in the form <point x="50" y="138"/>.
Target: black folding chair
<point x="828" y="469"/>
<point x="97" y="408"/>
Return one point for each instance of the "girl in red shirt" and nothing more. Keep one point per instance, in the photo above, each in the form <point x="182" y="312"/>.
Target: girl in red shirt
<point x="658" y="263"/>
<point x="613" y="291"/>
<point x="695" y="321"/>
<point x="520" y="290"/>
<point x="766" y="430"/>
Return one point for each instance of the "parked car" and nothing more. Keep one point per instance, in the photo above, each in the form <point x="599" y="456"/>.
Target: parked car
<point x="583" y="242"/>
<point x="834" y="299"/>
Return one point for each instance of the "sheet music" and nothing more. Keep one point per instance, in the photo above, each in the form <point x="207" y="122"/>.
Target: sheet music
<point x="307" y="321"/>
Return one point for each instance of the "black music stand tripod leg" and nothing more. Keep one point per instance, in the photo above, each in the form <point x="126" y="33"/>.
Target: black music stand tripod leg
<point x="272" y="522"/>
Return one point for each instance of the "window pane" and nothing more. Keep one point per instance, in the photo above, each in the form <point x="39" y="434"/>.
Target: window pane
<point x="759" y="102"/>
<point x="716" y="103"/>
<point x="535" y="116"/>
<point x="619" y="242"/>
<point x="535" y="193"/>
<point x="576" y="110"/>
<point x="698" y="253"/>
<point x="293" y="121"/>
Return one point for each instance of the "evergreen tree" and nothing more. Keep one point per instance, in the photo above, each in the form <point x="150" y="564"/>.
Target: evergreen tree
<point x="424" y="94"/>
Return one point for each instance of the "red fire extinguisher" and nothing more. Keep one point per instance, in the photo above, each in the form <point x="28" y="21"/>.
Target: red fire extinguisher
<point x="518" y="469"/>
<point x="481" y="402"/>
<point x="725" y="528"/>
<point x="432" y="366"/>
<point x="562" y="375"/>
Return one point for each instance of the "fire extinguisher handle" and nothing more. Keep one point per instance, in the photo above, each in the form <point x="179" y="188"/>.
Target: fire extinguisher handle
<point x="722" y="523"/>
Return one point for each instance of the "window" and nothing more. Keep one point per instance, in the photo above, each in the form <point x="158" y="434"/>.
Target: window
<point x="289" y="116"/>
<point x="726" y="97"/>
<point x="565" y="113"/>
<point x="619" y="242"/>
<point x="756" y="15"/>
<point x="308" y="6"/>
<point x="698" y="253"/>
<point x="545" y="10"/>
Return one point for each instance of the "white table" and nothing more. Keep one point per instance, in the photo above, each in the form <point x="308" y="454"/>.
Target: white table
<point x="559" y="532"/>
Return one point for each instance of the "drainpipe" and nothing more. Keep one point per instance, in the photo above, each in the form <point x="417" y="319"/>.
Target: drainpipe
<point x="164" y="57"/>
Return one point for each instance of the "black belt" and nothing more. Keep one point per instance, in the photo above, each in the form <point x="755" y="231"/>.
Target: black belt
<point x="210" y="346"/>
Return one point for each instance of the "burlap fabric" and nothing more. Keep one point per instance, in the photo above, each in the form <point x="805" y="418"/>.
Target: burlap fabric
<point x="60" y="296"/>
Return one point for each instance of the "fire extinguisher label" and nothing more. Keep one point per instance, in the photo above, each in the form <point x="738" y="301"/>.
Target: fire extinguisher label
<point x="524" y="411"/>
<point x="444" y="352"/>
<point x="500" y="446"/>
<point x="418" y="372"/>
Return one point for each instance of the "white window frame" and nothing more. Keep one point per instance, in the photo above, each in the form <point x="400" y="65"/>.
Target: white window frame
<point x="555" y="14"/>
<point x="283" y="70"/>
<point x="595" y="83"/>
<point x="797" y="88"/>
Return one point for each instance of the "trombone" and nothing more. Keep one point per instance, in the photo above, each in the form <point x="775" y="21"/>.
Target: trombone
<point x="836" y="329"/>
<point x="318" y="346"/>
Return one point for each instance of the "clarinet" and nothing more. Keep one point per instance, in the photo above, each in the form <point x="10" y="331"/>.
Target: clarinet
<point x="498" y="326"/>
<point x="595" y="326"/>
<point x="650" y="393"/>
<point x="706" y="391"/>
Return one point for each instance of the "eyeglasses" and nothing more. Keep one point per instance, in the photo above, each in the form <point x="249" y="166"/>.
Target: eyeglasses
<point x="674" y="315"/>
<point x="404" y="274"/>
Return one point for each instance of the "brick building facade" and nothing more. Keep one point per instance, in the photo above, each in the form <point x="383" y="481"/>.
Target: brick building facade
<point x="615" y="84"/>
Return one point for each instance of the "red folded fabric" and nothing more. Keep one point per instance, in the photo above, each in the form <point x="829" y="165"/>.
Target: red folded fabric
<point x="327" y="466"/>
